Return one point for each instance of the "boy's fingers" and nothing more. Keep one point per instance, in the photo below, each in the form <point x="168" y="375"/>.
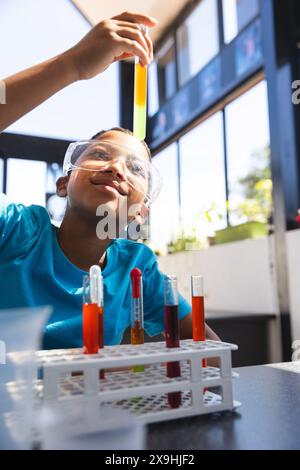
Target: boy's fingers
<point x="128" y="24"/>
<point x="130" y="46"/>
<point x="137" y="18"/>
<point x="125" y="55"/>
<point x="136" y="35"/>
<point x="138" y="28"/>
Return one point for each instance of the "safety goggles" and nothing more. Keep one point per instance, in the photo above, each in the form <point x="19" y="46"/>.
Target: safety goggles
<point x="98" y="155"/>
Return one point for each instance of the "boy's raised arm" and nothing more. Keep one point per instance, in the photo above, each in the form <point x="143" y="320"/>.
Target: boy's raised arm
<point x="109" y="41"/>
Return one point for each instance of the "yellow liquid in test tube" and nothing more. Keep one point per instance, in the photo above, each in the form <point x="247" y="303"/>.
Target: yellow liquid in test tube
<point x="140" y="101"/>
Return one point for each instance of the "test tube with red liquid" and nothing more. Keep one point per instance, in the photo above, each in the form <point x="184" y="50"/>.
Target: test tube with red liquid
<point x="137" y="311"/>
<point x="198" y="315"/>
<point x="172" y="333"/>
<point x="93" y="321"/>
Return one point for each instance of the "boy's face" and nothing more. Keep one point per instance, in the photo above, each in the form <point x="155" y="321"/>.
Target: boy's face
<point x="107" y="181"/>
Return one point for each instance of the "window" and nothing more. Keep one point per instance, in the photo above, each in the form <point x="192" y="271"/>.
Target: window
<point x="166" y="70"/>
<point x="56" y="205"/>
<point x="249" y="175"/>
<point x="202" y="179"/>
<point x="26" y="181"/>
<point x="1" y="175"/>
<point x="164" y="215"/>
<point x="34" y="31"/>
<point x="153" y="98"/>
<point x="197" y="40"/>
<point x="54" y="171"/>
<point x="237" y="14"/>
<point x="34" y="182"/>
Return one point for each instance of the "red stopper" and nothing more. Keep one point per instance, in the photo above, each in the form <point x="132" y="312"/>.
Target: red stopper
<point x="136" y="275"/>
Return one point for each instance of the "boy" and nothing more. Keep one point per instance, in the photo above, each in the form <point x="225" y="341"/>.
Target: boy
<point x="40" y="264"/>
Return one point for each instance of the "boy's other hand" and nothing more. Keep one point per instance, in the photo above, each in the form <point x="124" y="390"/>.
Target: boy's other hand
<point x="111" y="40"/>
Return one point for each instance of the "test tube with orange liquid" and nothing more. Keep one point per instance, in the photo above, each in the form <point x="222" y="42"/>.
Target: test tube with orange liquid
<point x="93" y="321"/>
<point x="137" y="311"/>
<point x="198" y="313"/>
<point x="140" y="98"/>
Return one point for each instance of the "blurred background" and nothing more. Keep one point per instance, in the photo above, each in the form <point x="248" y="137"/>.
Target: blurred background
<point x="222" y="126"/>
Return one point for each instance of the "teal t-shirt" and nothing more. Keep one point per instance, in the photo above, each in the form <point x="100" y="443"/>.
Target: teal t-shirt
<point x="34" y="272"/>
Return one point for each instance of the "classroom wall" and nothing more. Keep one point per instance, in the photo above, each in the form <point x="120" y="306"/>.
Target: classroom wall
<point x="238" y="276"/>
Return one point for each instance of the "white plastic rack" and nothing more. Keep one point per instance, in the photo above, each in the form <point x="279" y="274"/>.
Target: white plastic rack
<point x="71" y="375"/>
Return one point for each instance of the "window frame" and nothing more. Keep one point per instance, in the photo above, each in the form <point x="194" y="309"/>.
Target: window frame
<point x="246" y="25"/>
<point x="240" y="91"/>
<point x="171" y="33"/>
<point x="26" y="147"/>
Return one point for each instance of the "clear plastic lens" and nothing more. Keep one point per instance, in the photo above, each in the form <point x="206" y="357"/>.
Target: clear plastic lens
<point x="96" y="155"/>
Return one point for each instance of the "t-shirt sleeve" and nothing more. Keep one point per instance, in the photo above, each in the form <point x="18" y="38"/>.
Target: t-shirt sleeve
<point x="18" y="227"/>
<point x="154" y="308"/>
<point x="63" y="333"/>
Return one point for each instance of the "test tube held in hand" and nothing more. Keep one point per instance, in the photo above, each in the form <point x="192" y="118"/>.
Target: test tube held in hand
<point x="140" y="98"/>
<point x="93" y="321"/>
<point x="198" y="315"/>
<point x="172" y="333"/>
<point x="137" y="311"/>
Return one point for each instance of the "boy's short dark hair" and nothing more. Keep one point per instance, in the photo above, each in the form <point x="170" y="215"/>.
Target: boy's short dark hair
<point x="125" y="131"/>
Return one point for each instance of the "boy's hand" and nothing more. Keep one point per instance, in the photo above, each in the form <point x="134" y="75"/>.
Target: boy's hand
<point x="111" y="40"/>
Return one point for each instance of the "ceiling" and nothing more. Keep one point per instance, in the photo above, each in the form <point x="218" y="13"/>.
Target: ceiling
<point x="164" y="11"/>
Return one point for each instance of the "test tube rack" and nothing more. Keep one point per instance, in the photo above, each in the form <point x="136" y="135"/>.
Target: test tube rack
<point x="71" y="375"/>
